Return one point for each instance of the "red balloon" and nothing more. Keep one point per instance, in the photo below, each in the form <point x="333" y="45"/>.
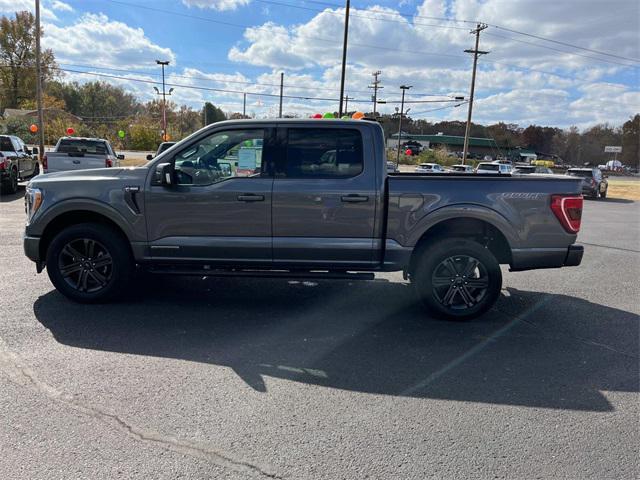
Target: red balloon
<point x="407" y="151"/>
<point x="317" y="115"/>
<point x="33" y="128"/>
<point x="70" y="131"/>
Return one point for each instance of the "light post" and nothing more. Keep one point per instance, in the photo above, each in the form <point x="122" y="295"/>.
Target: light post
<point x="404" y="88"/>
<point x="162" y="64"/>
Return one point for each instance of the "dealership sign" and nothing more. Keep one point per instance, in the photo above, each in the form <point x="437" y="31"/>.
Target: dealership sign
<point x="612" y="149"/>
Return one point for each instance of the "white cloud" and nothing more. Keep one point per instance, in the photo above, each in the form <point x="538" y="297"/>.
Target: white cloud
<point x="9" y="7"/>
<point x="219" y="5"/>
<point x="97" y="40"/>
<point x="61" y="6"/>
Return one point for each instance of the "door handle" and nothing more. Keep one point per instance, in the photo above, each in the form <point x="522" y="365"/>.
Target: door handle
<point x="354" y="198"/>
<point x="77" y="162"/>
<point x="250" y="197"/>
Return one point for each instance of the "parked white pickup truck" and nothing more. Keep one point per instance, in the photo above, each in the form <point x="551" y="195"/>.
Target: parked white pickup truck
<point x="79" y="153"/>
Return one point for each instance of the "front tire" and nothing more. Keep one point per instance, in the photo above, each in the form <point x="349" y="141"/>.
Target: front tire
<point x="90" y="263"/>
<point x="11" y="185"/>
<point x="457" y="279"/>
<point x="603" y="194"/>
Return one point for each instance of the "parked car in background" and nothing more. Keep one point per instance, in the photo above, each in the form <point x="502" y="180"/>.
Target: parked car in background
<point x="161" y="148"/>
<point x="527" y="169"/>
<point x="429" y="168"/>
<point x="391" y="167"/>
<point x="414" y="147"/>
<point x="80" y="153"/>
<point x="17" y="162"/>
<point x="594" y="183"/>
<point x="495" y="168"/>
<point x="320" y="205"/>
<point x="462" y="168"/>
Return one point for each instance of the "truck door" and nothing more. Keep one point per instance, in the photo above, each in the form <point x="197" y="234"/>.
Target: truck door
<point x="219" y="209"/>
<point x="324" y="197"/>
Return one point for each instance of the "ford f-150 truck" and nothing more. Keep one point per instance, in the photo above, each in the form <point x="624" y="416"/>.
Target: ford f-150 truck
<point x="298" y="198"/>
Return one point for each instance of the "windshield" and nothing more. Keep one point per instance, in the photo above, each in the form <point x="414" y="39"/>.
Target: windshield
<point x="525" y="169"/>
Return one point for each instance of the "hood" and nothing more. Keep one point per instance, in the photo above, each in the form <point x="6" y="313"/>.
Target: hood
<point x="91" y="175"/>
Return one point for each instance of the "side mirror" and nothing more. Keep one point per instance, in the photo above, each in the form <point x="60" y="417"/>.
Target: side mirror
<point x="163" y="174"/>
<point x="120" y="156"/>
<point x="149" y="157"/>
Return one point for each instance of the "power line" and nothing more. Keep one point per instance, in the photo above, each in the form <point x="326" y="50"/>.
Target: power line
<point x="440" y="108"/>
<point x="455" y="20"/>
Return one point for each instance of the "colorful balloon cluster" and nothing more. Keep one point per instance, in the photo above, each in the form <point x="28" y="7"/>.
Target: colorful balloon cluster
<point x="355" y="116"/>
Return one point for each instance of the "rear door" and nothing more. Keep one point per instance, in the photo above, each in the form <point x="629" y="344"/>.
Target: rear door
<point x="324" y="196"/>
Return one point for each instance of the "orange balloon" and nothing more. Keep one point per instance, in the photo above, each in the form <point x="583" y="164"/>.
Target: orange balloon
<point x="33" y="128"/>
<point x="166" y="137"/>
<point x="357" y="115"/>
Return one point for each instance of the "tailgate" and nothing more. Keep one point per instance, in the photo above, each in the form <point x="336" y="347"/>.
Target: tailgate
<point x="59" y="162"/>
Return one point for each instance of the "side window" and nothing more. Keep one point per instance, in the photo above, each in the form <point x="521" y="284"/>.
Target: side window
<point x="16" y="144"/>
<point x="6" y="145"/>
<point x="322" y="153"/>
<point x="221" y="155"/>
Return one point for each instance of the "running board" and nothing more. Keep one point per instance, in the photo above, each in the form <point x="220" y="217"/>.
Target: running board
<point x="302" y="274"/>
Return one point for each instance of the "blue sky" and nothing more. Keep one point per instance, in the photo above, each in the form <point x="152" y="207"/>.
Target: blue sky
<point x="591" y="76"/>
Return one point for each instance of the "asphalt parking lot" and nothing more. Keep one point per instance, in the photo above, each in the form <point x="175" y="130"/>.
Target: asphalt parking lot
<point x="223" y="378"/>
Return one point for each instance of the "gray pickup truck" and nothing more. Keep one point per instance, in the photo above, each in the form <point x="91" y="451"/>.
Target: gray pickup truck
<point x="298" y="198"/>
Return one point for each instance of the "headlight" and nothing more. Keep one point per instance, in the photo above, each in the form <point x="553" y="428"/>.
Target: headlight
<point x="32" y="202"/>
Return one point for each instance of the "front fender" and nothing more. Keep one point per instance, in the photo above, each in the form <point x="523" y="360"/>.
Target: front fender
<point x="38" y="225"/>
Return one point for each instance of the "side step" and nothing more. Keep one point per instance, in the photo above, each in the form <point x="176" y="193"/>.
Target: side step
<point x="258" y="273"/>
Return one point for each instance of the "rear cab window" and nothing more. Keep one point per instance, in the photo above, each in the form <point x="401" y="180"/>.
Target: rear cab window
<point x="80" y="146"/>
<point x="489" y="166"/>
<point x="6" y="145"/>
<point x="322" y="153"/>
<point x="580" y="173"/>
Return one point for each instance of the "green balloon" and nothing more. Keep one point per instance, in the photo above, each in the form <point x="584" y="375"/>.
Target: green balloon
<point x="121" y="133"/>
<point x="328" y="115"/>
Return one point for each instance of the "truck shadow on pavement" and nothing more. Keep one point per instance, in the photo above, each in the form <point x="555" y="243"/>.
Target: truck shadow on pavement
<point x="533" y="349"/>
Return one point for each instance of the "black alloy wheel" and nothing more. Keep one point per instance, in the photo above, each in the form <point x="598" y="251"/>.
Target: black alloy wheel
<point x="85" y="265"/>
<point x="460" y="282"/>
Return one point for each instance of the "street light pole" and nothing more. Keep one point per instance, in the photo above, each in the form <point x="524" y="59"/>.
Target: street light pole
<point x="476" y="53"/>
<point x="344" y="55"/>
<point x="244" y="104"/>
<point x="39" y="85"/>
<point x="164" y="101"/>
<point x="404" y="89"/>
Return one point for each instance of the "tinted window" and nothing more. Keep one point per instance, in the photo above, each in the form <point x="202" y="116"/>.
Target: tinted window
<point x="6" y="145"/>
<point x="489" y="166"/>
<point x="95" y="147"/>
<point x="221" y="155"/>
<point x="580" y="173"/>
<point x="332" y="153"/>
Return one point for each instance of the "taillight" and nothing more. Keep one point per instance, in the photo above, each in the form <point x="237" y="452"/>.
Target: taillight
<point x="45" y="165"/>
<point x="108" y="163"/>
<point x="568" y="210"/>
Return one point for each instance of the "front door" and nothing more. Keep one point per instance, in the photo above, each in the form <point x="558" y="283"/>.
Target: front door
<point x="219" y="209"/>
<point x="324" y="197"/>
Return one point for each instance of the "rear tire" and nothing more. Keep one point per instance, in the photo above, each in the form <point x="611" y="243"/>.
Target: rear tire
<point x="457" y="279"/>
<point x="90" y="263"/>
<point x="603" y="194"/>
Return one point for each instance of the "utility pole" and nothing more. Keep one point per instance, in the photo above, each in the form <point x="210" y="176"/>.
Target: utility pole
<point x="344" y="55"/>
<point x="163" y="63"/>
<point x="281" y="88"/>
<point x="376" y="87"/>
<point x="404" y="89"/>
<point x="346" y="104"/>
<point x="476" y="54"/>
<point x="39" y="85"/>
<point x="244" y="104"/>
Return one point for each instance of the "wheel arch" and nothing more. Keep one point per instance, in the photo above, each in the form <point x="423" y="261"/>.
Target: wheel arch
<point x="478" y="229"/>
<point x="69" y="217"/>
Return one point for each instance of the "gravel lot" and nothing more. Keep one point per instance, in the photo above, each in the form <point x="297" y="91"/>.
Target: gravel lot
<point x="211" y="378"/>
